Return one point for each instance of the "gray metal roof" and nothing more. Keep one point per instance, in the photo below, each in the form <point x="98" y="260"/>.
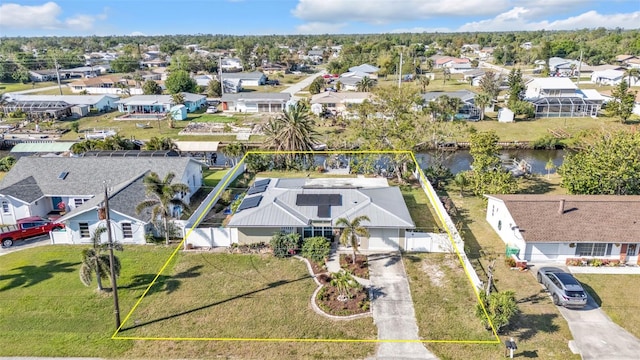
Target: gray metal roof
<point x="32" y="177"/>
<point x="69" y="99"/>
<point x="256" y="96"/>
<point x="256" y="75"/>
<point x="383" y="204"/>
<point x="158" y="99"/>
<point x="464" y="95"/>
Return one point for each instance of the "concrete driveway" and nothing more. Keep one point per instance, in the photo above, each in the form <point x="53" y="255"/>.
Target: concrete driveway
<point x="393" y="311"/>
<point x="26" y="244"/>
<point x="596" y="336"/>
<point x="297" y="87"/>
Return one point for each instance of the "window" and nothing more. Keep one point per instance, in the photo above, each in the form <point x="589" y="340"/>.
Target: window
<point x="5" y="207"/>
<point x="591" y="249"/>
<point x="78" y="202"/>
<point x="84" y="230"/>
<point x="631" y="249"/>
<point x="127" y="233"/>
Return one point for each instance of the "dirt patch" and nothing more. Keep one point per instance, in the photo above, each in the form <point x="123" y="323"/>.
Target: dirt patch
<point x="358" y="302"/>
<point x="359" y="269"/>
<point x="435" y="274"/>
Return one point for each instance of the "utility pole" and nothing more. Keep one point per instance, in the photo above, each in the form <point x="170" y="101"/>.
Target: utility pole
<point x="579" y="66"/>
<point x="55" y="62"/>
<point x="114" y="286"/>
<point x="400" y="71"/>
<point x="220" y="75"/>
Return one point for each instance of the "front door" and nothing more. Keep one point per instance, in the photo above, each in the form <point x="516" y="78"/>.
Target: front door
<point x="55" y="202"/>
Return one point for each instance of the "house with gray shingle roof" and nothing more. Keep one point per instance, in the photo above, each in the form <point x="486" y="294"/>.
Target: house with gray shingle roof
<point x="74" y="188"/>
<point x="558" y="227"/>
<point x="311" y="208"/>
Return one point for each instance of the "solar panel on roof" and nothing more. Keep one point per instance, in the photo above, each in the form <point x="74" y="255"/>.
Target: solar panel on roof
<point x="250" y="202"/>
<point x="318" y="199"/>
<point x="256" y="190"/>
<point x="324" y="211"/>
<point x="263" y="182"/>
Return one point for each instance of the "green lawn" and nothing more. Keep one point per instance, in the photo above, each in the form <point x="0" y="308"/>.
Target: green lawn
<point x="10" y="87"/>
<point x="201" y="295"/>
<point x="211" y="178"/>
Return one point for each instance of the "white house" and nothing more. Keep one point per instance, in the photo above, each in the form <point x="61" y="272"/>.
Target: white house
<point x="607" y="77"/>
<point x="255" y="78"/>
<point x="253" y="102"/>
<point x="558" y="227"/>
<point x="560" y="97"/>
<point x="231" y="64"/>
<point x="42" y="75"/>
<point x="74" y="188"/>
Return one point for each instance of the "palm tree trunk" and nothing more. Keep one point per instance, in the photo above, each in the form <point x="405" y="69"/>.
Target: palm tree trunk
<point x="166" y="228"/>
<point x="98" y="277"/>
<point x="354" y="254"/>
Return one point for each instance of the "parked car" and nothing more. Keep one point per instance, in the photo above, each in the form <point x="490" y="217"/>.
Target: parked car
<point x="212" y="110"/>
<point x="26" y="228"/>
<point x="563" y="287"/>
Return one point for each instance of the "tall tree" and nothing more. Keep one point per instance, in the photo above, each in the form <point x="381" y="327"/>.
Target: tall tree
<point x="487" y="176"/>
<point x="160" y="143"/>
<point x="632" y="73"/>
<point x="234" y="151"/>
<point x="622" y="103"/>
<point x="482" y="100"/>
<point x="151" y="87"/>
<point x="317" y="85"/>
<point x="214" y="89"/>
<point x="365" y="84"/>
<point x="163" y="198"/>
<point x="352" y="230"/>
<point x="424" y="81"/>
<point x="489" y="84"/>
<point x="516" y="87"/>
<point x="293" y="130"/>
<point x="607" y="163"/>
<point x="125" y="64"/>
<point x="180" y="81"/>
<point x="94" y="262"/>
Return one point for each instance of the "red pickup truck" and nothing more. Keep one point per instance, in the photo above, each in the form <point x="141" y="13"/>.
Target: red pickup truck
<point x="26" y="228"/>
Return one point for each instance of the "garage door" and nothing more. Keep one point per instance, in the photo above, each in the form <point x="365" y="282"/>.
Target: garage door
<point x="383" y="239"/>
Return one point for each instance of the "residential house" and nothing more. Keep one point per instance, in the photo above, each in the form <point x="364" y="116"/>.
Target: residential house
<point x="315" y="56"/>
<point x="311" y="207"/>
<point x="470" y="48"/>
<point x="564" y="67"/>
<point x="451" y="62"/>
<point x="255" y="78"/>
<point x="486" y="52"/>
<point x="560" y="97"/>
<point x="558" y="227"/>
<point x="159" y="104"/>
<point x="369" y="70"/>
<point x="609" y="77"/>
<point x="349" y="81"/>
<point x="231" y="64"/>
<point x="253" y="102"/>
<point x="204" y="79"/>
<point x="74" y="188"/>
<point x="106" y="84"/>
<point x="155" y="63"/>
<point x="526" y="45"/>
<point x="58" y="106"/>
<point x="82" y="71"/>
<point x="628" y="61"/>
<point x="273" y="68"/>
<point x="338" y="103"/>
<point x="42" y="75"/>
<point x="468" y="108"/>
<point x="473" y="76"/>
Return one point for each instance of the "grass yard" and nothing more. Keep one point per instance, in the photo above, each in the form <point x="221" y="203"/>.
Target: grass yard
<point x="65" y="91"/>
<point x="617" y="296"/>
<point x="10" y="87"/>
<point x="201" y="295"/>
<point x="42" y="298"/>
<point x="211" y="178"/>
<point x="419" y="207"/>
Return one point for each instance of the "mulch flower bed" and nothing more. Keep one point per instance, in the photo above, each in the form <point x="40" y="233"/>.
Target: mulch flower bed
<point x="359" y="269"/>
<point x="358" y="303"/>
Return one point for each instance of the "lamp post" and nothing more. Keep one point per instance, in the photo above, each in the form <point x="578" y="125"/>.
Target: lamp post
<point x="114" y="286"/>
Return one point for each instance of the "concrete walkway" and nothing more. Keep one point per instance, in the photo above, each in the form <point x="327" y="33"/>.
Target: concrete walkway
<point x="393" y="311"/>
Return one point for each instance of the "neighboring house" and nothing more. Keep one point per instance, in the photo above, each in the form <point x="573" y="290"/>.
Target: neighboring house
<point x="340" y="102"/>
<point x="526" y="45"/>
<point x="203" y="80"/>
<point x="486" y="52"/>
<point x="161" y="104"/>
<point x="564" y="67"/>
<point x="107" y="84"/>
<point x="231" y="64"/>
<point x="253" y="102"/>
<point x="272" y="68"/>
<point x="450" y="62"/>
<point x="628" y="60"/>
<point x="349" y="80"/>
<point x="42" y="75"/>
<point x="154" y="63"/>
<point x="82" y="71"/>
<point x="473" y="76"/>
<point x="468" y="110"/>
<point x="255" y="78"/>
<point x="59" y="106"/>
<point x="311" y="207"/>
<point x="557" y="227"/>
<point x="457" y="67"/>
<point x="74" y="188"/>
<point x="609" y="77"/>
<point x="560" y="97"/>
<point x="370" y="70"/>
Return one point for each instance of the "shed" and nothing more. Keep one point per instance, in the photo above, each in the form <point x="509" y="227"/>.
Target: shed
<point x="178" y="112"/>
<point x="505" y="115"/>
<point x="80" y="110"/>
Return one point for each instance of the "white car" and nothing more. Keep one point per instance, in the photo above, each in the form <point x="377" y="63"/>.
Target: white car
<point x="212" y="110"/>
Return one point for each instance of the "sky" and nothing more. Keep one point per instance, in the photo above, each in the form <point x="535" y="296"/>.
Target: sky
<point x="288" y="17"/>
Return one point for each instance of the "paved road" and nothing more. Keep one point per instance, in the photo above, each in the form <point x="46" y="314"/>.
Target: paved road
<point x="26" y="244"/>
<point x="393" y="311"/>
<point x="596" y="336"/>
<point x="297" y="87"/>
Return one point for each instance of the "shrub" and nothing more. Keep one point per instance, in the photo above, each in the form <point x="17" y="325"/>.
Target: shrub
<point x="284" y="245"/>
<point x="501" y="308"/>
<point x="510" y="262"/>
<point x="316" y="248"/>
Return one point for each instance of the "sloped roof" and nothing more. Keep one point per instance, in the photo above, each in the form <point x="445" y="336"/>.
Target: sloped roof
<point x="553" y="83"/>
<point x="586" y="218"/>
<point x="464" y="95"/>
<point x="327" y="97"/>
<point x="42" y="147"/>
<point x="383" y="204"/>
<point x="159" y="99"/>
<point x="33" y="177"/>
<point x="69" y="99"/>
<point x="256" y="75"/>
<point x="365" y="68"/>
<point x="256" y="96"/>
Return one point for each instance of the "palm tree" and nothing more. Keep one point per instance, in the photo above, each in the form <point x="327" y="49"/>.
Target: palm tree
<point x="124" y="88"/>
<point x="428" y="64"/>
<point x="163" y="198"/>
<point x="482" y="100"/>
<point x="365" y="84"/>
<point x="549" y="166"/>
<point x="293" y="130"/>
<point x="632" y="73"/>
<point x="163" y="143"/>
<point x="424" y="82"/>
<point x="94" y="262"/>
<point x="343" y="281"/>
<point x="233" y="151"/>
<point x="177" y="98"/>
<point x="352" y="231"/>
<point x="446" y="75"/>
<point x="461" y="181"/>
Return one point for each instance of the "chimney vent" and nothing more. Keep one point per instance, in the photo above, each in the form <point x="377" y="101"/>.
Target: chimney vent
<point x="561" y="208"/>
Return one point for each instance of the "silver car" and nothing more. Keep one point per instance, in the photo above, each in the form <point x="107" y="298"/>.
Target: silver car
<point x="563" y="287"/>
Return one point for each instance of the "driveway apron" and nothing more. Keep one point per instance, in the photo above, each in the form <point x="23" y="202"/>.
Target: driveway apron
<point x="393" y="311"/>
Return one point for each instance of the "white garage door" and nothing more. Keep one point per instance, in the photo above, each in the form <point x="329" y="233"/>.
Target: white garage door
<point x="542" y="252"/>
<point x="383" y="239"/>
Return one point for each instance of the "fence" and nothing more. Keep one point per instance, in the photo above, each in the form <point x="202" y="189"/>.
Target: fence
<point x="427" y="242"/>
<point x="456" y="242"/>
<point x="198" y="236"/>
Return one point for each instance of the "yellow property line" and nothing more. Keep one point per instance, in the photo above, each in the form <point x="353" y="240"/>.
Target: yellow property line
<point x="115" y="335"/>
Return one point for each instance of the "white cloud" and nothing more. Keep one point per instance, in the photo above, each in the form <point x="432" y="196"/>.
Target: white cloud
<point x="386" y="11"/>
<point x="137" y="33"/>
<point x="45" y="16"/>
<point x="519" y="18"/>
<point x="421" y="30"/>
<point x="319" y="28"/>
